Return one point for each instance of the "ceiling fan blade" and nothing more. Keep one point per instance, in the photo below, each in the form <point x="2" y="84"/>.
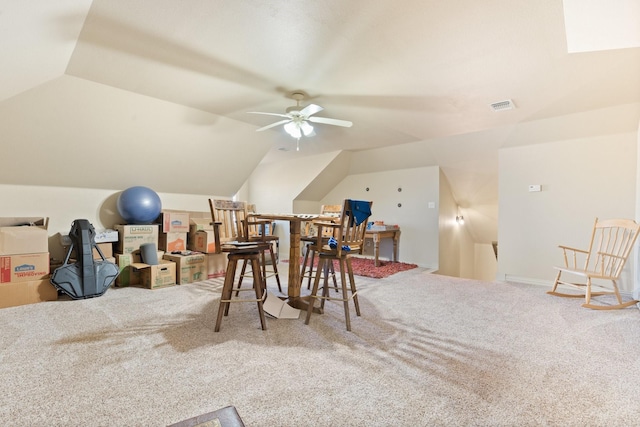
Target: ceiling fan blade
<point x="272" y="125"/>
<point x="310" y="110"/>
<point x="269" y="114"/>
<point x="327" y="121"/>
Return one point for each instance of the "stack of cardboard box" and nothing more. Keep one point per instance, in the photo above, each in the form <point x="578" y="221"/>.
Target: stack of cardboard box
<point x="204" y="238"/>
<point x="174" y="227"/>
<point x="24" y="262"/>
<point x="129" y="260"/>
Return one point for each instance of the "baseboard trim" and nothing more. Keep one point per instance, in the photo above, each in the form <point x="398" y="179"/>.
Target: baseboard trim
<point x="527" y="280"/>
<point x="549" y="284"/>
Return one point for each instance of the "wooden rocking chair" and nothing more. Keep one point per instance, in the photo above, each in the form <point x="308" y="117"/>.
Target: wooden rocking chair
<point x="611" y="243"/>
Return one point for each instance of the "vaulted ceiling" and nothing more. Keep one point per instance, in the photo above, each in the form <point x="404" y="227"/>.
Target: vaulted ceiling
<point x="410" y="72"/>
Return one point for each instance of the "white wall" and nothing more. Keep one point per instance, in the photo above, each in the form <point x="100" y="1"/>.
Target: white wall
<point x="449" y="231"/>
<point x="71" y="132"/>
<point x="636" y="253"/>
<point x="418" y="223"/>
<point x="485" y="264"/>
<point x="581" y="179"/>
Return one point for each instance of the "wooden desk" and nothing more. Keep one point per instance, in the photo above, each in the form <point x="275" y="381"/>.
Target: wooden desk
<point x="378" y="235"/>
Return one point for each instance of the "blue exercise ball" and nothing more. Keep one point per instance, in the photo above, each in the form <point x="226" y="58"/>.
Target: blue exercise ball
<point x="139" y="205"/>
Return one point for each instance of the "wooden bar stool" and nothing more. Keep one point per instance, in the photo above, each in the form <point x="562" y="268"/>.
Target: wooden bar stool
<point x="245" y="253"/>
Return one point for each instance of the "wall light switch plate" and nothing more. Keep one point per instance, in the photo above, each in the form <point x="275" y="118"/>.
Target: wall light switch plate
<point x="535" y="187"/>
<point x="432" y="205"/>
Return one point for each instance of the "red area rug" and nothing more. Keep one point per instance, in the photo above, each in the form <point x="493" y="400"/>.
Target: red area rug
<point x="366" y="267"/>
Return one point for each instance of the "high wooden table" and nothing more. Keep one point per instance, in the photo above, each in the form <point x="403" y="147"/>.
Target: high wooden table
<point x="378" y="235"/>
<point x="295" y="221"/>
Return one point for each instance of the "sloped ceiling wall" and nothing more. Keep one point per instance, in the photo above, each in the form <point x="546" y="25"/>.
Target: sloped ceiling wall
<point x="71" y="132"/>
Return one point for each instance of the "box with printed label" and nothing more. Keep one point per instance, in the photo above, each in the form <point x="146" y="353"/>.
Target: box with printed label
<point x="174" y="221"/>
<point x="24" y="267"/>
<point x="23" y="235"/>
<point x="190" y="266"/>
<point x="206" y="241"/>
<point x="171" y="242"/>
<point x="157" y="276"/>
<point x="216" y="265"/>
<point x="128" y="275"/>
<point x="20" y="293"/>
<point x="130" y="237"/>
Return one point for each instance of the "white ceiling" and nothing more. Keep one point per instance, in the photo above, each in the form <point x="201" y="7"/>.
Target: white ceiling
<point x="408" y="72"/>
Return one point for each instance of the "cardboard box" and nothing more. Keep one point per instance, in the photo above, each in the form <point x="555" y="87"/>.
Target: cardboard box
<point x="31" y="292"/>
<point x="24" y="267"/>
<point x="172" y="242"/>
<point x="157" y="276"/>
<point x="190" y="267"/>
<point x="130" y="237"/>
<point x="23" y="235"/>
<point x="206" y="241"/>
<point x="128" y="275"/>
<point x="216" y="265"/>
<point x="199" y="224"/>
<point x="174" y="221"/>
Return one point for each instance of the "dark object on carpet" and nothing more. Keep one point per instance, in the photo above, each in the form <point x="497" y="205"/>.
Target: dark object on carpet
<point x="225" y="417"/>
<point x="366" y="267"/>
<point x="86" y="277"/>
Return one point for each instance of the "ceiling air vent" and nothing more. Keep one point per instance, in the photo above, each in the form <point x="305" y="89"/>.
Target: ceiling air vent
<point x="502" y="105"/>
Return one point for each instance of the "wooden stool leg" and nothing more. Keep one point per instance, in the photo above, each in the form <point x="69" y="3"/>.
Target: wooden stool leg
<point x="242" y="273"/>
<point x="313" y="256"/>
<point x="333" y="274"/>
<point x="304" y="265"/>
<point x="328" y="264"/>
<point x="345" y="296"/>
<point x="354" y="293"/>
<point x="227" y="288"/>
<point x="314" y="292"/>
<point x="257" y="285"/>
<point x="274" y="263"/>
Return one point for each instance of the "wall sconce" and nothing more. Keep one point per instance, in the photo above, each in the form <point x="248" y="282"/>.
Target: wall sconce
<point x="460" y="219"/>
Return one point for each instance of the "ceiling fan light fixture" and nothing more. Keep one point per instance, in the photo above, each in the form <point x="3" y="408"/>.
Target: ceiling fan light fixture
<point x="293" y="129"/>
<point x="307" y="129"/>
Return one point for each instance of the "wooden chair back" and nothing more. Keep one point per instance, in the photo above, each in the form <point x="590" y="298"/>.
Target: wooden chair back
<point x="349" y="230"/>
<point x="333" y="211"/>
<point x="231" y="218"/>
<point x="352" y="225"/>
<point x="255" y="228"/>
<point x="611" y="243"/>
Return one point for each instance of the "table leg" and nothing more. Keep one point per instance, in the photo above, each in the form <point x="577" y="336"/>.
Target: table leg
<point x="293" y="286"/>
<point x="396" y="239"/>
<point x="376" y="248"/>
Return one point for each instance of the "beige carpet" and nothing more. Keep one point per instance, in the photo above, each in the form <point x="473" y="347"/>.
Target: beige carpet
<point x="429" y="350"/>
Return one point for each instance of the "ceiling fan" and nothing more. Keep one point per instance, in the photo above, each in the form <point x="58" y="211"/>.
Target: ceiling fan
<point x="296" y="120"/>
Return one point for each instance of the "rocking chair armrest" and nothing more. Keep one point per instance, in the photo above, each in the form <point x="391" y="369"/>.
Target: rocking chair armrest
<point x="569" y="248"/>
<point x="606" y="254"/>
<point x="570" y="254"/>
